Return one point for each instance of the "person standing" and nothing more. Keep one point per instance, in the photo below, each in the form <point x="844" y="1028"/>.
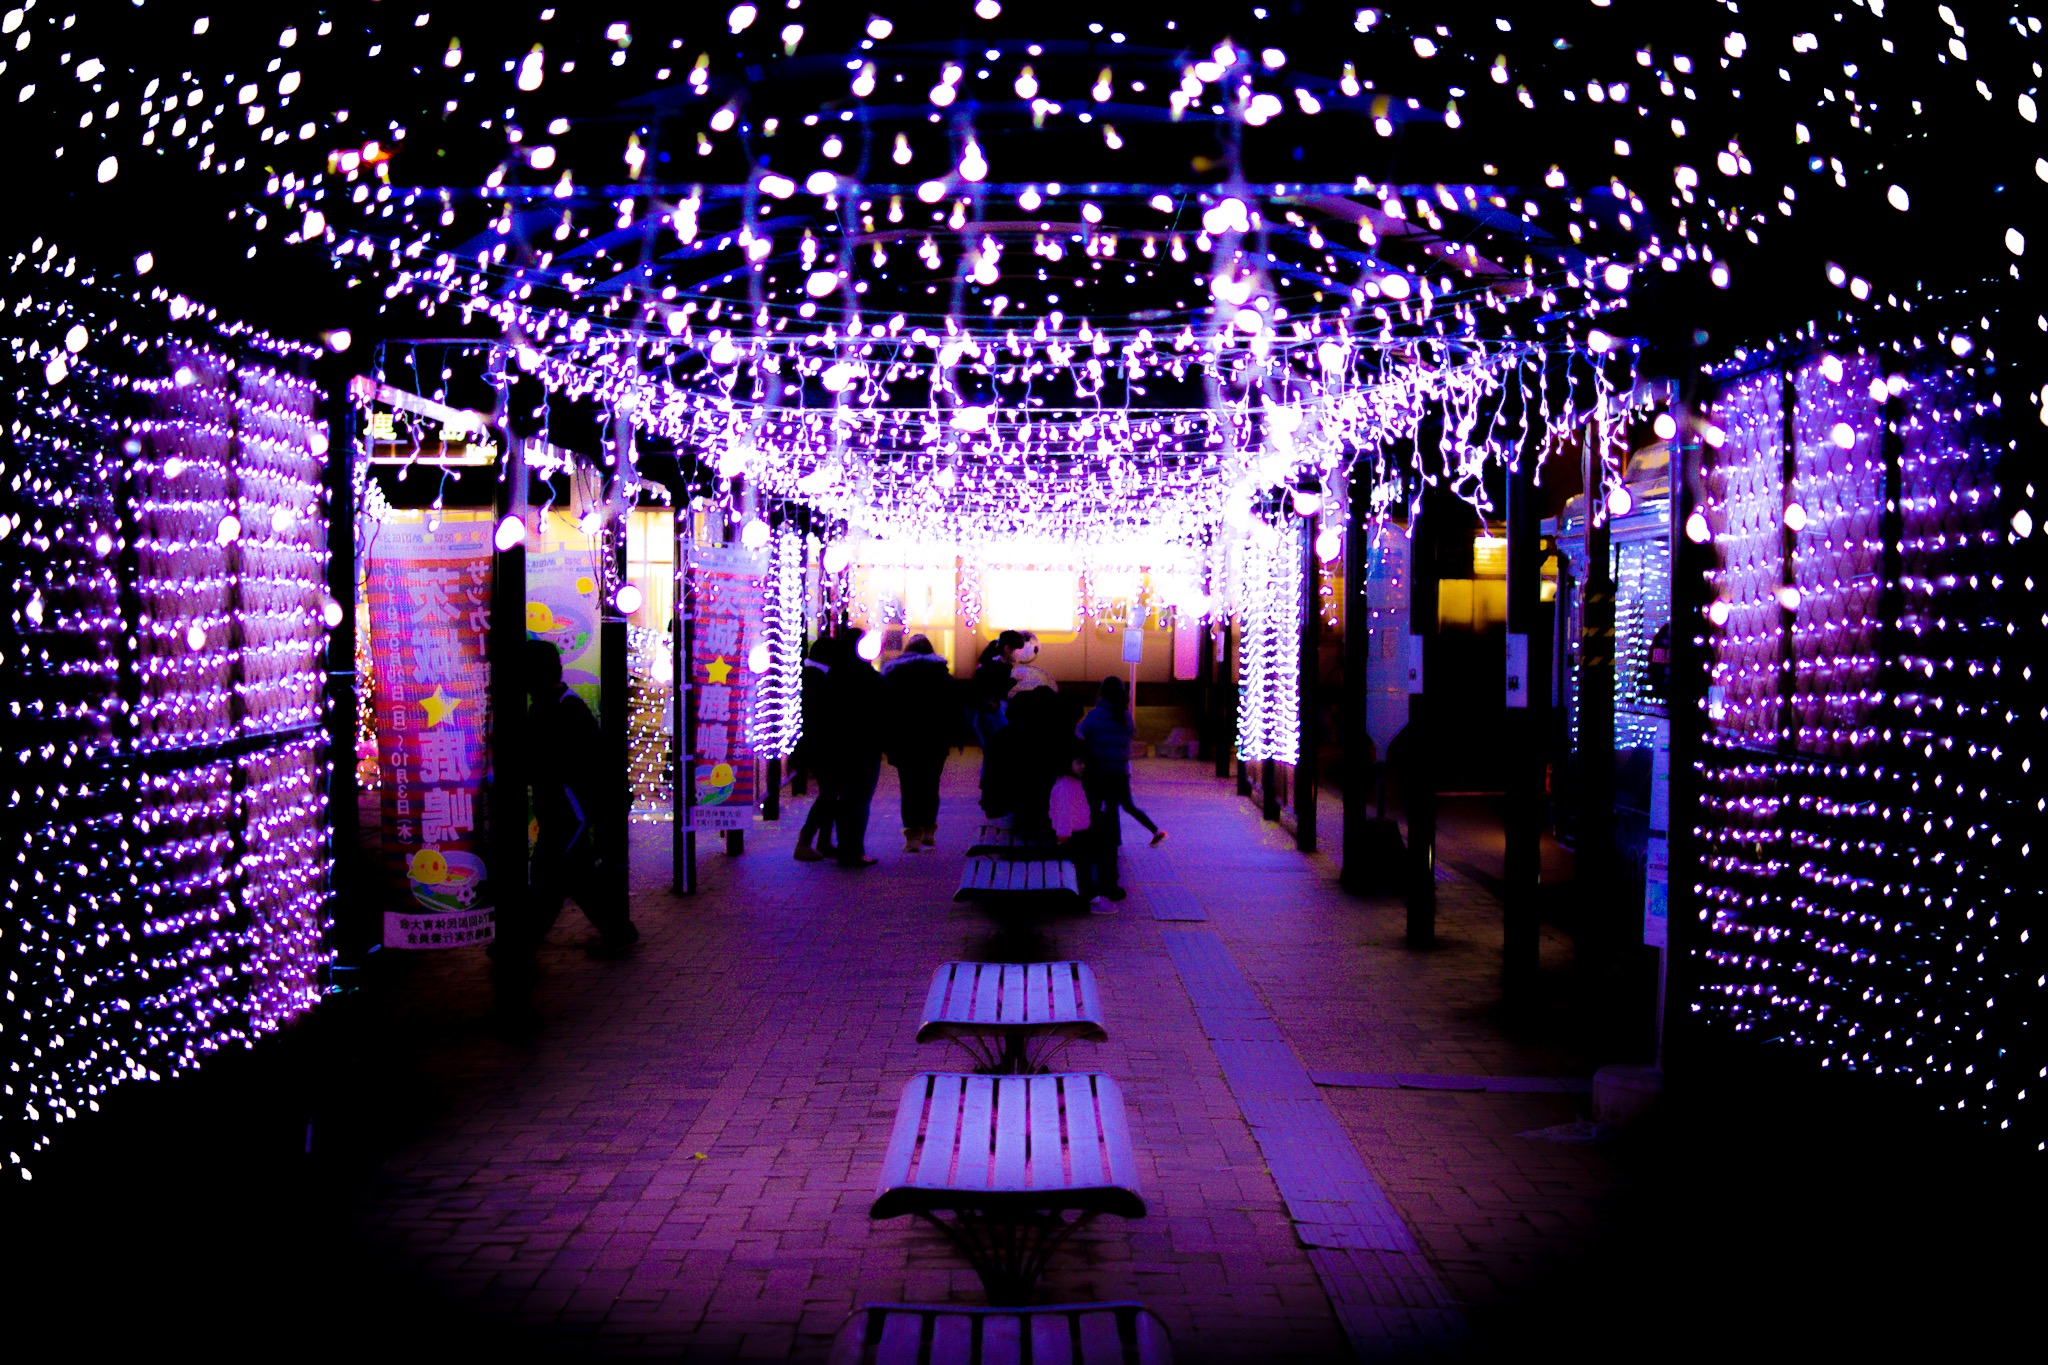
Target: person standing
<point x="852" y="745"/>
<point x="565" y="755"/>
<point x="810" y="753"/>
<point x="919" y="699"/>
<point x="1107" y="731"/>
<point x="993" y="679"/>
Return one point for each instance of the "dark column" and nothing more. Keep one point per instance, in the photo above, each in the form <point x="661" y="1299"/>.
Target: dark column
<point x="355" y="915"/>
<point x="1419" y="773"/>
<point x="1595" y="851"/>
<point x="614" y="842"/>
<point x="1309" y="719"/>
<point x="508" y="805"/>
<point x="1685" y="701"/>
<point x="683" y="877"/>
<point x="1358" y="761"/>
<point x="1527" y="695"/>
<point x="1225" y="700"/>
<point x="1205" y="670"/>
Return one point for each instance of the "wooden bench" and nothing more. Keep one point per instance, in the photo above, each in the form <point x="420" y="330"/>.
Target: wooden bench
<point x="990" y="878"/>
<point x="941" y="1334"/>
<point x="1009" y="1157"/>
<point x="998" y="1011"/>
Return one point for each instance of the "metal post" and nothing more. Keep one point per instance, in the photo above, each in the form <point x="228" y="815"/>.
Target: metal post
<point x="1356" y="761"/>
<point x="1526" y="697"/>
<point x="1418" y="774"/>
<point x="1685" y="701"/>
<point x="1595" y="825"/>
<point x="1311" y="664"/>
<point x="1224" y="701"/>
<point x="614" y="844"/>
<point x="683" y="840"/>
<point x="354" y="913"/>
<point x="508" y="766"/>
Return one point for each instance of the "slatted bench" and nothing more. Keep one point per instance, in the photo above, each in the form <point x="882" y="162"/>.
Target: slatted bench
<point x="1064" y="1334"/>
<point x="1012" y="1017"/>
<point x="997" y="879"/>
<point x="1009" y="1157"/>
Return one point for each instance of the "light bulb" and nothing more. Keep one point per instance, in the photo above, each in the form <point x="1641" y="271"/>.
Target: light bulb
<point x="1329" y="544"/>
<point x="511" y="534"/>
<point x="627" y="599"/>
<point x="1664" y="426"/>
<point x="1619" y="502"/>
<point x="837" y="557"/>
<point x="754" y="534"/>
<point x="759" y="659"/>
<point x="870" y="646"/>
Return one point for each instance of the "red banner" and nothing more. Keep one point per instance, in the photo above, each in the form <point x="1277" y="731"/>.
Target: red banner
<point x="430" y="610"/>
<point x="726" y="625"/>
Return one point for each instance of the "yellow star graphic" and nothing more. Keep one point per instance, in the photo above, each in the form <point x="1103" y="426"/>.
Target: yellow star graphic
<point x="718" y="670"/>
<point x="439" y="707"/>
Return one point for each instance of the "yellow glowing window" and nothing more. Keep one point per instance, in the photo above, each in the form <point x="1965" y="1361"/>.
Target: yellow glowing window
<point x="1030" y="599"/>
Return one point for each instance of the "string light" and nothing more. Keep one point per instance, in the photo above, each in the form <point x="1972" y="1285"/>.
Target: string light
<point x="167" y="890"/>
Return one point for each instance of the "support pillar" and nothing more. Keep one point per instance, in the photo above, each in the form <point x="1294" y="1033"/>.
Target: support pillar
<point x="1309" y="718"/>
<point x="1418" y="772"/>
<point x="508" y="803"/>
<point x="1595" y="825"/>
<point x="1527" y="699"/>
<point x="614" y="842"/>
<point x="683" y="840"/>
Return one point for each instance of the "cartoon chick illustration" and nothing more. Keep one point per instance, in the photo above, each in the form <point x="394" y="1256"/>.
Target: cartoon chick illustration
<point x="539" y="619"/>
<point x="428" y="867"/>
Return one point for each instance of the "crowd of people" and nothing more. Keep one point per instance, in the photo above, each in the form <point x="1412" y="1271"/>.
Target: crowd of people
<point x="1050" y="770"/>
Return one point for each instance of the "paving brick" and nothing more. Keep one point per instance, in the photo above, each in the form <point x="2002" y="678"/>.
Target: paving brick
<point x="767" y="1024"/>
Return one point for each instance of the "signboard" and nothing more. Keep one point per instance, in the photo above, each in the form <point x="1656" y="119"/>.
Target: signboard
<point x="1134" y="644"/>
<point x="565" y="598"/>
<point x="429" y="593"/>
<point x="1415" y="657"/>
<point x="1657" y="868"/>
<point x="1518" y="671"/>
<point x="725" y="604"/>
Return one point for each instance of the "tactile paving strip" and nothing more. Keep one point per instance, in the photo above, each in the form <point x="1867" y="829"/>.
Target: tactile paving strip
<point x="1384" y="1290"/>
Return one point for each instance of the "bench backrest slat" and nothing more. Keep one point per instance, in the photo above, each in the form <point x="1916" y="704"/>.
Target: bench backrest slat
<point x="1046" y="1156"/>
<point x="1002" y="1340"/>
<point x="901" y="1333"/>
<point x="1084" y="1135"/>
<point x="1101" y="1343"/>
<point x="1116" y="1128"/>
<point x="952" y="1339"/>
<point x="1060" y="985"/>
<point x="941" y="1134"/>
<point x="1014" y="1163"/>
<point x="1051" y="1340"/>
<point x="978" y="1102"/>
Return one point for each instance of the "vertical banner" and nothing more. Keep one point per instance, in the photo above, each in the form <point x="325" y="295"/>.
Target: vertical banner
<point x="565" y="598"/>
<point x="726" y="597"/>
<point x="430" y="613"/>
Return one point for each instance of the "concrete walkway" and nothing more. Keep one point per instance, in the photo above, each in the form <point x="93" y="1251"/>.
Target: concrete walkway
<point x="679" y="1160"/>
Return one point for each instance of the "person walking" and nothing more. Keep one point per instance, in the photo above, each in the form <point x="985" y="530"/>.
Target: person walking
<point x="810" y="753"/>
<point x="565" y="751"/>
<point x="1108" y="730"/>
<point x="919" y="701"/>
<point x="853" y="745"/>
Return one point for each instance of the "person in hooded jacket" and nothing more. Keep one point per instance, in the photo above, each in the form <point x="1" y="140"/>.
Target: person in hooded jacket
<point x="852" y="745"/>
<point x="919" y="699"/>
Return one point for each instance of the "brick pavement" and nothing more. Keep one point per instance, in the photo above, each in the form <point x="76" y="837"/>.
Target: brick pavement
<point x="678" y="1160"/>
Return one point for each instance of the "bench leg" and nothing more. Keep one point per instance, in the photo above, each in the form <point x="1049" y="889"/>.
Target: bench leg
<point x="1008" y="1254"/>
